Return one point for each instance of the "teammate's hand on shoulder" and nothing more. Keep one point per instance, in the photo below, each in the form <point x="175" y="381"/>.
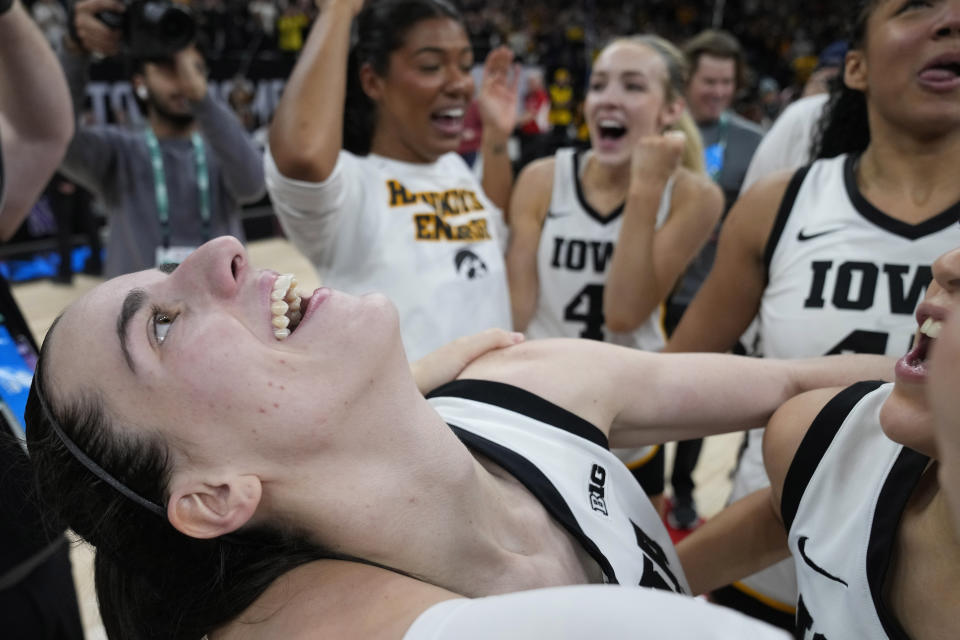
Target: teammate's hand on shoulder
<point x="497" y="99"/>
<point x="89" y="32"/>
<point x="444" y="364"/>
<point x="658" y="156"/>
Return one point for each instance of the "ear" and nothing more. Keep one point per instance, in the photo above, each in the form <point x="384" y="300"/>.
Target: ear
<point x="855" y="70"/>
<point x="205" y="509"/>
<point x="371" y="82"/>
<point x="671" y="113"/>
<point x="139" y="86"/>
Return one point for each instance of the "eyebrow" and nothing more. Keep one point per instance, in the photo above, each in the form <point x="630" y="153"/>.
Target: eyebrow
<point x="131" y="304"/>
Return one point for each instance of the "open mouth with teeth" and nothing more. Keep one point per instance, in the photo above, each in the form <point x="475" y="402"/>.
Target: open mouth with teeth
<point x="285" y="306"/>
<point x="449" y="120"/>
<point x="611" y="130"/>
<point x="929" y="331"/>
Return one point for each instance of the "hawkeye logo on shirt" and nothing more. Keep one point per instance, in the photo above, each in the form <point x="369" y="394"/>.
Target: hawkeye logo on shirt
<point x="436" y="225"/>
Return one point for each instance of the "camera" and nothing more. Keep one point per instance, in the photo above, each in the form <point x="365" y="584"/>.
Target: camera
<point x="152" y="29"/>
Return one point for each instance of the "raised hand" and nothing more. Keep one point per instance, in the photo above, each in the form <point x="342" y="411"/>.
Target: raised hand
<point x="498" y="93"/>
<point x="445" y="363"/>
<point x="657" y="157"/>
<point x="91" y="34"/>
<point x="192" y="71"/>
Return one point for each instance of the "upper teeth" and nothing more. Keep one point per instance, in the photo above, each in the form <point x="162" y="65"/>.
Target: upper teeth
<point x="931" y="328"/>
<point x="610" y="123"/>
<point x="452" y="113"/>
<point x="284" y="306"/>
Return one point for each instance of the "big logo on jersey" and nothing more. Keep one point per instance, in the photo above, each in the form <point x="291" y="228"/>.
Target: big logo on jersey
<point x="435" y="226"/>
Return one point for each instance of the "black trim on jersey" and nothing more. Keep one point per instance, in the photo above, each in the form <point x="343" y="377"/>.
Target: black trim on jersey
<point x="786" y="206"/>
<point x="909" y="231"/>
<point x="897" y="489"/>
<point x="815" y="443"/>
<point x="523" y="402"/>
<point x="540" y="486"/>
<point x="593" y="213"/>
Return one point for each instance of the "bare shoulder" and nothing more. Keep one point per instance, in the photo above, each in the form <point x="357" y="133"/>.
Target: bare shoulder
<point x="335" y="599"/>
<point x="695" y="188"/>
<point x="786" y="431"/>
<point x="580" y="376"/>
<point x="532" y="189"/>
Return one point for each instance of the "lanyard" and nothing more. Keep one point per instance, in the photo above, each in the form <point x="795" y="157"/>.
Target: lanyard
<point x="160" y="184"/>
<point x="714" y="154"/>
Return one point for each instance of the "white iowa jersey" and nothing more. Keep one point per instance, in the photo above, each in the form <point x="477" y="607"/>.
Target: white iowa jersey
<point x="842" y="277"/>
<point x="565" y="462"/>
<point x="575" y="252"/>
<point x="425" y="235"/>
<point x="843" y="497"/>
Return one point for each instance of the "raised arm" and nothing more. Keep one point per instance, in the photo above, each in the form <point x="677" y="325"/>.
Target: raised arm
<point x="307" y="129"/>
<point x="730" y="296"/>
<point x="498" y="111"/>
<point x="36" y="121"/>
<point x="528" y="205"/>
<point x="648" y="261"/>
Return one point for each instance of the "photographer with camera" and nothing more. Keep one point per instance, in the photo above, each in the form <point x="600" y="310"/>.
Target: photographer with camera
<point x="179" y="181"/>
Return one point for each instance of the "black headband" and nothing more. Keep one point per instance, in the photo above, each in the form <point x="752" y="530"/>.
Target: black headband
<point x="84" y="459"/>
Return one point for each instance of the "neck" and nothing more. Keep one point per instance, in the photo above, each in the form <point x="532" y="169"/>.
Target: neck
<point x="392" y="146"/>
<point x="911" y="173"/>
<point x="164" y="127"/>
<point x="607" y="178"/>
<point x="407" y="494"/>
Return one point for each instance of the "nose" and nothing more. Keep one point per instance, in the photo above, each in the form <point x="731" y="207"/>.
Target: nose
<point x="215" y="268"/>
<point x="459" y="82"/>
<point x="946" y="271"/>
<point x="948" y="22"/>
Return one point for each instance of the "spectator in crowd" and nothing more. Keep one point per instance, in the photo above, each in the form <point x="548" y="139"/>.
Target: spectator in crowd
<point x="716" y="73"/>
<point x="180" y="179"/>
<point x="829" y="65"/>
<point x="364" y="174"/>
<point x="534" y="122"/>
<point x="562" y="107"/>
<point x="51" y="17"/>
<point x="471" y="139"/>
<point x="37" y="596"/>
<point x="290" y="27"/>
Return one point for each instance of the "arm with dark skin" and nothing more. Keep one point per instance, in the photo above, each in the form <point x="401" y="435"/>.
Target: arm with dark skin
<point x="36" y="121"/>
<point x="730" y="296"/>
<point x="498" y="111"/>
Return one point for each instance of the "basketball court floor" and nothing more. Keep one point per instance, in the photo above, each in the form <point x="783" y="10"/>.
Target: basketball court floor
<point x="42" y="301"/>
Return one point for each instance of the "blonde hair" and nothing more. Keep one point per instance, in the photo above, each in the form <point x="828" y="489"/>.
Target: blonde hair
<point x="675" y="84"/>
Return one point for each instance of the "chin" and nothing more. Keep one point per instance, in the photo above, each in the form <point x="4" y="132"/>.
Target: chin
<point x="906" y="419"/>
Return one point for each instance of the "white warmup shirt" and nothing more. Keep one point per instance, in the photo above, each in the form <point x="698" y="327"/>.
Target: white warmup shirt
<point x="425" y="235"/>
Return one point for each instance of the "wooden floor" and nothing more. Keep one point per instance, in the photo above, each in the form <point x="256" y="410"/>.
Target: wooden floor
<point x="43" y="301"/>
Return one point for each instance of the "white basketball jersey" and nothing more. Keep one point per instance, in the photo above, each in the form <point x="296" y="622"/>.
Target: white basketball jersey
<point x="842" y="501"/>
<point x="575" y="252"/>
<point x="565" y="462"/>
<point x="842" y="277"/>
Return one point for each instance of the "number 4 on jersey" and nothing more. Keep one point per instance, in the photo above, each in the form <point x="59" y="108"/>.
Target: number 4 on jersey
<point x="587" y="307"/>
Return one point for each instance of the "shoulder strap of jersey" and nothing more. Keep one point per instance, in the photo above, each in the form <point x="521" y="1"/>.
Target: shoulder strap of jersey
<point x="786" y="206"/>
<point x="521" y="401"/>
<point x="815" y="443"/>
